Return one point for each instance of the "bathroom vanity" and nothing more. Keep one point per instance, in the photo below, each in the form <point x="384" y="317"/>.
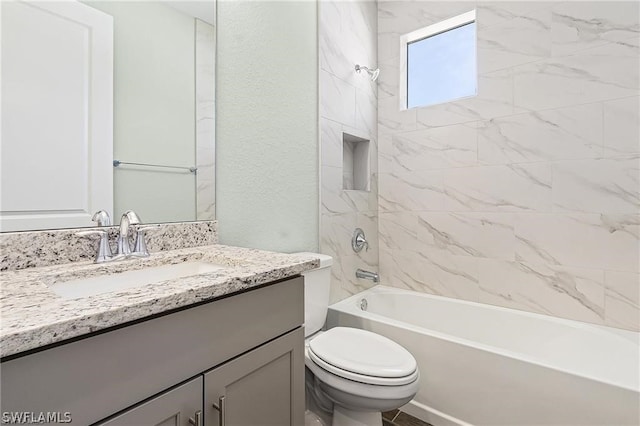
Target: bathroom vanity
<point x="221" y="347"/>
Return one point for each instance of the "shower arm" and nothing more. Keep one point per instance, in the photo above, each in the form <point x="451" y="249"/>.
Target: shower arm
<point x="373" y="74"/>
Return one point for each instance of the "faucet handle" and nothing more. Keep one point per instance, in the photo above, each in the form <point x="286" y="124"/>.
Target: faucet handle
<point x="102" y="218"/>
<point x="127" y="219"/>
<point x="132" y="217"/>
<point x="104" y="249"/>
<point x="141" y="245"/>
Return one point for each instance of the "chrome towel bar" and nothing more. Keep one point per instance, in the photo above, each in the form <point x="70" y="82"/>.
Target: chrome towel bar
<point x="117" y="163"/>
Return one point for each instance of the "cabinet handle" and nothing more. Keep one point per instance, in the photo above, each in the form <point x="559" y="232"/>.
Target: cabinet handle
<point x="221" y="411"/>
<point x="196" y="420"/>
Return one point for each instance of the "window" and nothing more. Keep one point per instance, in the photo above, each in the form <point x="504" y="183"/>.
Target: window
<point x="439" y="62"/>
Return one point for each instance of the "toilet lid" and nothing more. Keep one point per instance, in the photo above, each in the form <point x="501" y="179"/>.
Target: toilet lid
<point x="363" y="352"/>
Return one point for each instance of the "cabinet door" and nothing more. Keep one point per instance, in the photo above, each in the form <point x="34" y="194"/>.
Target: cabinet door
<point x="181" y="406"/>
<point x="263" y="387"/>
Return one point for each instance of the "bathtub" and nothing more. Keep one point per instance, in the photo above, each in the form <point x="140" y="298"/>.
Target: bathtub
<point x="486" y="365"/>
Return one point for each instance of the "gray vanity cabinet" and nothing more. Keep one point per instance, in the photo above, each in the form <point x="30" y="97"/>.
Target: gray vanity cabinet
<point x="264" y="387"/>
<point x="247" y="347"/>
<point x="181" y="406"/>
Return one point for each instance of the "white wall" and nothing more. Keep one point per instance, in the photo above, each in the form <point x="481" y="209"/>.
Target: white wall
<point x="267" y="125"/>
<point x="528" y="195"/>
<point x="154" y="109"/>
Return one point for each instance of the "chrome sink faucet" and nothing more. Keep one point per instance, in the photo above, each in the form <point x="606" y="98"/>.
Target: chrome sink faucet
<point x="140" y="247"/>
<point x="104" y="249"/>
<point x="103" y="219"/>
<point x="123" y="246"/>
<point x="128" y="219"/>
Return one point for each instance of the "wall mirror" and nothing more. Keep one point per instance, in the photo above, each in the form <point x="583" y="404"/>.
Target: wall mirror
<point x="106" y="105"/>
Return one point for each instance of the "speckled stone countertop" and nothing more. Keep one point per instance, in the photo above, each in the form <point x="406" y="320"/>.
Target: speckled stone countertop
<point x="32" y="249"/>
<point x="32" y="315"/>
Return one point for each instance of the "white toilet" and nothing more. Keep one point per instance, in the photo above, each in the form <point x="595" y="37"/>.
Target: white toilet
<point x="355" y="372"/>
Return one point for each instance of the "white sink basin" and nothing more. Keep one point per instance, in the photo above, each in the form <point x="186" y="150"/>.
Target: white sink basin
<point x="84" y="287"/>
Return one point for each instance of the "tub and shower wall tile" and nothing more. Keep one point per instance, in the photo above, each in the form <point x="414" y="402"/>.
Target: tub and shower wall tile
<point x="503" y="188"/>
<point x="486" y="235"/>
<point x="398" y="230"/>
<point x="334" y="227"/>
<point x="390" y="120"/>
<point x="608" y="185"/>
<point x="447" y="114"/>
<point x="331" y="146"/>
<point x="435" y="148"/>
<point x="598" y="74"/>
<point x="561" y="134"/>
<point x="622" y="299"/>
<point x="345" y="261"/>
<point x="348" y="105"/>
<point x="621" y="126"/>
<point x="608" y="242"/>
<point x="385" y="156"/>
<point x="574" y="293"/>
<point x="434" y="272"/>
<point x="411" y="191"/>
<point x="517" y="39"/>
<point x="574" y="28"/>
<point x="528" y="194"/>
<point x="366" y="111"/>
<point x="338" y="99"/>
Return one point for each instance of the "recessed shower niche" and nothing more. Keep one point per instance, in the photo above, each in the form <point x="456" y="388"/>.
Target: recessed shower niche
<point x="355" y="163"/>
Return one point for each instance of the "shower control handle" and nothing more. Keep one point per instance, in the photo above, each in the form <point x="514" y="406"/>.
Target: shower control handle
<point x="358" y="242"/>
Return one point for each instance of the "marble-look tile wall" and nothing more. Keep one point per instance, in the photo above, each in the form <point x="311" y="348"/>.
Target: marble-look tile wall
<point x="527" y="195"/>
<point x="348" y="104"/>
<point x="205" y="55"/>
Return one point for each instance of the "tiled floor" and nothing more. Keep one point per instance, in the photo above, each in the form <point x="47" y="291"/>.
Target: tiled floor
<point x="398" y="418"/>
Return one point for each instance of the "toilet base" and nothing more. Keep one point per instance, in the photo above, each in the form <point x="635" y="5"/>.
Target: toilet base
<point x="345" y="417"/>
<point x="312" y="419"/>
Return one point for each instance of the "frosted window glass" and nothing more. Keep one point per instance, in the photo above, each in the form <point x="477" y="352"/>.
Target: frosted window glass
<point x="442" y="67"/>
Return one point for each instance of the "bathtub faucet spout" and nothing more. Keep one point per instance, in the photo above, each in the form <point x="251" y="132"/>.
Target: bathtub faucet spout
<point x="367" y="275"/>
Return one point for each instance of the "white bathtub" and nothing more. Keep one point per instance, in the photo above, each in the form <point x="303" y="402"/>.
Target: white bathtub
<point x="485" y="365"/>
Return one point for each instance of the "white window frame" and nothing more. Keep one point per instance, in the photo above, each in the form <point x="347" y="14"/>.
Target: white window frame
<point x="422" y="33"/>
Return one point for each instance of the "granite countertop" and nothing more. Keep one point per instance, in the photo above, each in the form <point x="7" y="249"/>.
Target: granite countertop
<point x="32" y="315"/>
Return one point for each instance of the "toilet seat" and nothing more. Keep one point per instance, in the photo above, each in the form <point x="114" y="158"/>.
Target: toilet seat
<point x="369" y="380"/>
<point x="363" y="356"/>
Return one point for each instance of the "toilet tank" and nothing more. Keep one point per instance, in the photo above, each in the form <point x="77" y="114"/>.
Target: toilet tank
<point x="317" y="283"/>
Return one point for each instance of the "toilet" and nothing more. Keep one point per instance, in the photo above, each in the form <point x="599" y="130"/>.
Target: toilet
<point x="353" y="373"/>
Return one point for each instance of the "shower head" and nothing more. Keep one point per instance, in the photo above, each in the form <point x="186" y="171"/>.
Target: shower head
<point x="373" y="74"/>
